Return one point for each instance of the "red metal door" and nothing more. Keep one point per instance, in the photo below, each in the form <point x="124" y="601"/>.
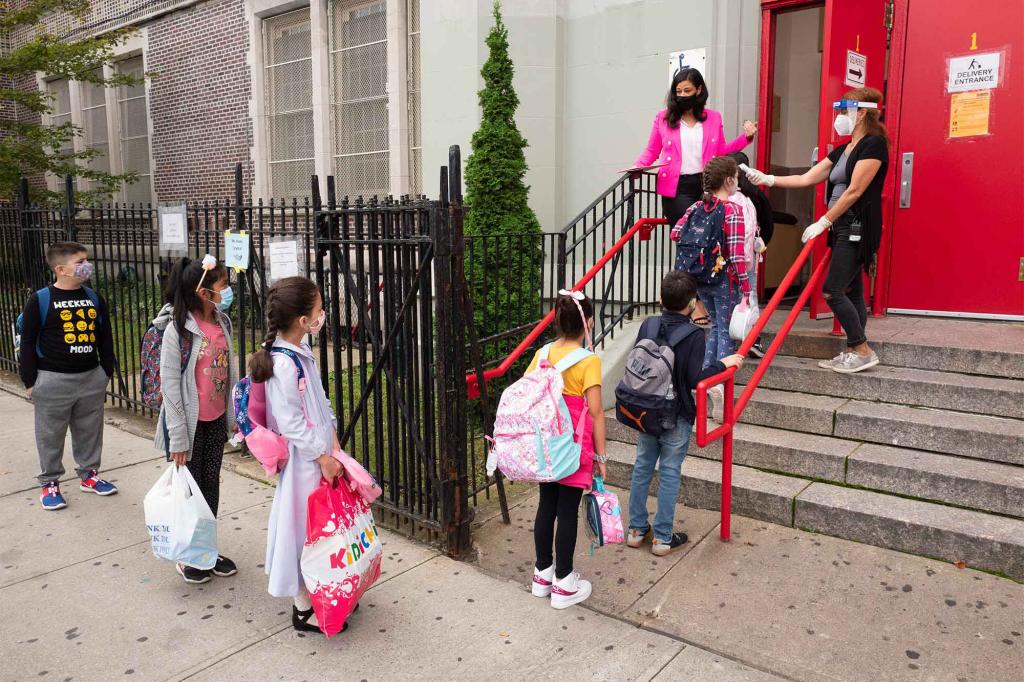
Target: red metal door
<point x="958" y="246"/>
<point x="853" y="55"/>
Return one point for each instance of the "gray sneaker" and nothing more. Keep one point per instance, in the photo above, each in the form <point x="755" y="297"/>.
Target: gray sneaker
<point x="851" y="363"/>
<point x="830" y="364"/>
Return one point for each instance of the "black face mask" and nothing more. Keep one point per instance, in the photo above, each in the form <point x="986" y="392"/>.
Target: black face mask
<point x="686" y="103"/>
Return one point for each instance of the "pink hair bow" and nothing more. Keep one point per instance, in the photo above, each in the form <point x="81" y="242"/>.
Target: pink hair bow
<point x="577" y="297"/>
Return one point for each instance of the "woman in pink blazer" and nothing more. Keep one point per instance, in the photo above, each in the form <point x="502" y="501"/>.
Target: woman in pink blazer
<point x="686" y="136"/>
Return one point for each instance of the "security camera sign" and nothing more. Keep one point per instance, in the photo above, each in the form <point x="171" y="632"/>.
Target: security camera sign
<point x="973" y="72"/>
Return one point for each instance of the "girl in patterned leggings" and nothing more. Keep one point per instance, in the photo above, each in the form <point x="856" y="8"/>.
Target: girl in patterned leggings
<point x="197" y="374"/>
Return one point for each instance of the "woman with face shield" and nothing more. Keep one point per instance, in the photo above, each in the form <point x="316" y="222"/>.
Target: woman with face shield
<point x="685" y="136"/>
<point x="854" y="173"/>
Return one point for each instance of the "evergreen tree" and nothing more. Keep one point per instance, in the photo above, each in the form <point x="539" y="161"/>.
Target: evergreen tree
<point x="28" y="147"/>
<point x="504" y="257"/>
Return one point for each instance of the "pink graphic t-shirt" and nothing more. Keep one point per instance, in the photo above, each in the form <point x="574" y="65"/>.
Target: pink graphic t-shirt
<point x="212" y="371"/>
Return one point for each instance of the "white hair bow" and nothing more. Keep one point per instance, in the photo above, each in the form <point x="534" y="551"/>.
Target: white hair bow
<point x="577" y="297"/>
<point x="209" y="263"/>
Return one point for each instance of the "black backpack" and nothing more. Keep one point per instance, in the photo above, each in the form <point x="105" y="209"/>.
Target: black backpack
<point x="645" y="399"/>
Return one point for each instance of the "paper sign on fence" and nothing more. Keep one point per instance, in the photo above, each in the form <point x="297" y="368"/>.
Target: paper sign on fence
<point x="236" y="249"/>
<point x="284" y="259"/>
<point x="173" y="230"/>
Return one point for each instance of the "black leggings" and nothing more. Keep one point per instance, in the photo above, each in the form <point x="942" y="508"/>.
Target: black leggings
<point x="844" y="289"/>
<point x="559" y="502"/>
<point x="207" y="455"/>
<point x="688" y="192"/>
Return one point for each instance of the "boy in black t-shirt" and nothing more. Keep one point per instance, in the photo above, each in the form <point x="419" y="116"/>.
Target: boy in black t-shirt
<point x="67" y="356"/>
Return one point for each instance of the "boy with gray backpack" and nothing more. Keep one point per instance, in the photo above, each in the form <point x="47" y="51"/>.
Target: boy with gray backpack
<point x="655" y="398"/>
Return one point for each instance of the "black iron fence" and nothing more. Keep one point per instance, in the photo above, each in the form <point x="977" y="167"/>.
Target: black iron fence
<point x="396" y="277"/>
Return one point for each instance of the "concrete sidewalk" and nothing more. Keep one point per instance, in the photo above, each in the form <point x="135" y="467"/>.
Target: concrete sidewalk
<point x="84" y="599"/>
<point x="796" y="604"/>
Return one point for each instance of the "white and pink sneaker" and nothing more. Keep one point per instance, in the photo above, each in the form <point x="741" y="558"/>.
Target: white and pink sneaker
<point x="569" y="590"/>
<point x="542" y="581"/>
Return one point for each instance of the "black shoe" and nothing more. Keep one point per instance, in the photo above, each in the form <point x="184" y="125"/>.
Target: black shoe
<point x="224" y="567"/>
<point x="757" y="350"/>
<point x="661" y="548"/>
<point x="193" y="576"/>
<point x="300" y="621"/>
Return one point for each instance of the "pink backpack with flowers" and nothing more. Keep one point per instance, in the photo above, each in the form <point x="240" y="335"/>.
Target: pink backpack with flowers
<point x="534" y="437"/>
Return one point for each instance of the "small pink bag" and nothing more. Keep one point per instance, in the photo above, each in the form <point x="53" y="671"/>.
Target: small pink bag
<point x="603" y="516"/>
<point x="359" y="479"/>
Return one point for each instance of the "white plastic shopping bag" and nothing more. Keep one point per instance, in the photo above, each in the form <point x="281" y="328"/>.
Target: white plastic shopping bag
<point x="181" y="525"/>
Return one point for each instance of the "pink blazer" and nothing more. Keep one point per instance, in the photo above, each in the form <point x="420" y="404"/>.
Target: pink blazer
<point x="664" y="143"/>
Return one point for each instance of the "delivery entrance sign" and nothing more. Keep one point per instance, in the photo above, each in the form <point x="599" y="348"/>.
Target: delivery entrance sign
<point x="973" y="72"/>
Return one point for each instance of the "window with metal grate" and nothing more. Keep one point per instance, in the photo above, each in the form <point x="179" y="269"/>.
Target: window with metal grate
<point x="359" y="97"/>
<point x="134" y="132"/>
<point x="288" y="93"/>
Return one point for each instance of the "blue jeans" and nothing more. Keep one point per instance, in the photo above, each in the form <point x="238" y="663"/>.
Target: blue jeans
<point x="719" y="299"/>
<point x="670" y="447"/>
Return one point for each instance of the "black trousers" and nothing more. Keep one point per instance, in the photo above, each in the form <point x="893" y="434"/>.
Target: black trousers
<point x="207" y="455"/>
<point x="844" y="289"/>
<point x="689" y="190"/>
<point x="562" y="503"/>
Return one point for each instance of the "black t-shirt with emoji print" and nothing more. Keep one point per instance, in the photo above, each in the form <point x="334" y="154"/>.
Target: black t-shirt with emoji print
<point x="73" y="338"/>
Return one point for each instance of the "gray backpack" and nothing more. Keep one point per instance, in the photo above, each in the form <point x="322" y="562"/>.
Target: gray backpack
<point x="645" y="398"/>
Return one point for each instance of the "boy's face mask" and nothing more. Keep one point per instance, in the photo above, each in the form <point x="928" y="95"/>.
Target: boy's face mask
<point x="80" y="271"/>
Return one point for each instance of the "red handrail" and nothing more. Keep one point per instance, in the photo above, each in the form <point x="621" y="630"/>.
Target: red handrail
<point x="731" y="411"/>
<point x="644" y="226"/>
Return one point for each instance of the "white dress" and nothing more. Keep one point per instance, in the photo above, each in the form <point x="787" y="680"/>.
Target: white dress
<point x="286" y="532"/>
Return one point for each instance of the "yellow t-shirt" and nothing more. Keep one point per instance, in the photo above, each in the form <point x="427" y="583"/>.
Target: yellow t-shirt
<point x="578" y="378"/>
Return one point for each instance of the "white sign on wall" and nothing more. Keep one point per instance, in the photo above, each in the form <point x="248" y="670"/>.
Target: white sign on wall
<point x="973" y="72"/>
<point x="856" y="66"/>
<point x="694" y="58"/>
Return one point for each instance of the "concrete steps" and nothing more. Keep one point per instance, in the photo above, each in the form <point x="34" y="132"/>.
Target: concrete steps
<point x="923" y="454"/>
<point x="946" y="479"/>
<point x="967" y="347"/>
<point x="980" y="540"/>
<point x="907" y="386"/>
<point x="978" y="436"/>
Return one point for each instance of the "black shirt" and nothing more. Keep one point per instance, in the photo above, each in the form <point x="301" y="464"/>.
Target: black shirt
<point x="868" y="208"/>
<point x="688" y="369"/>
<point x="75" y="337"/>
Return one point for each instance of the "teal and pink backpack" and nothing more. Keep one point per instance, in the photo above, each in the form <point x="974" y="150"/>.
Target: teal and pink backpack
<point x="534" y="437"/>
<point x="250" y="401"/>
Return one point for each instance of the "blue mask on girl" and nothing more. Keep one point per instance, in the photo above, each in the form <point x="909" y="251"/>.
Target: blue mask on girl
<point x="226" y="298"/>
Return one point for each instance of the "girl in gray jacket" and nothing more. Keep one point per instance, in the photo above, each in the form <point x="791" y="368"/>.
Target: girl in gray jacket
<point x="197" y="412"/>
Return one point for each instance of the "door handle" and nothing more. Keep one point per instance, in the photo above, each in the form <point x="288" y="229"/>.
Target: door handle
<point x="906" y="178"/>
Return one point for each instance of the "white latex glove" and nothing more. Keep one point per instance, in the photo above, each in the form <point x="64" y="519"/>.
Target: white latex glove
<point x="757" y="177"/>
<point x="816" y="228"/>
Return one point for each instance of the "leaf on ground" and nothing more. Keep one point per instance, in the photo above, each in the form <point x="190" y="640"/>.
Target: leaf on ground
<point x="503" y="634"/>
<point x="960" y="564"/>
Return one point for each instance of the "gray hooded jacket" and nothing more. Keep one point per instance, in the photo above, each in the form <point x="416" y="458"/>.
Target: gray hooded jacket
<point x="179" y="414"/>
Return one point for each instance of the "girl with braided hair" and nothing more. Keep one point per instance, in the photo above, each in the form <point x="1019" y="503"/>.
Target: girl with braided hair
<point x="305" y="419"/>
<point x="197" y="371"/>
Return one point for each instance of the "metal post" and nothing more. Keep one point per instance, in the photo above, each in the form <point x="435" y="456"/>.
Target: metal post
<point x="560" y="264"/>
<point x="69" y="208"/>
<point x="320" y="235"/>
<point x="239" y="226"/>
<point x="727" y="418"/>
<point x="451" y="345"/>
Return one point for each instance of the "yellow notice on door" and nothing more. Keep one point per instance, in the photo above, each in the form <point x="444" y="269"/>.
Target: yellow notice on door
<point x="968" y="113"/>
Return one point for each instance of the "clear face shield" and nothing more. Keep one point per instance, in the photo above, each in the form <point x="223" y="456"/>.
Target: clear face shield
<point x="844" y="117"/>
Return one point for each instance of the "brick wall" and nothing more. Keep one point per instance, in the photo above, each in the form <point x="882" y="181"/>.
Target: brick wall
<point x="199" y="102"/>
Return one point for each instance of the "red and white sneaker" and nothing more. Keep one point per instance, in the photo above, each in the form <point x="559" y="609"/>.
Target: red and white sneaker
<point x="93" y="484"/>
<point x="569" y="590"/>
<point x="542" y="581"/>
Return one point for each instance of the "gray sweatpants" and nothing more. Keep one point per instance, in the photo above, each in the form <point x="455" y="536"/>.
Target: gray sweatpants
<point x="74" y="400"/>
